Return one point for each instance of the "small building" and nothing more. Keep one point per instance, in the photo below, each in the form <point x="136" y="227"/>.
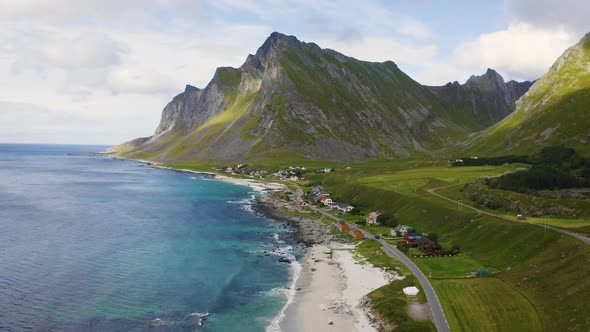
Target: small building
<point x="458" y="161"/>
<point x="520" y="217"/>
<point x="427" y="245"/>
<point x="344" y="208"/>
<point x="482" y="273"/>
<point x="301" y="204"/>
<point x="342" y="226"/>
<point x="332" y="206"/>
<point x="372" y="218"/>
<point x="294" y="178"/>
<point x="326" y="201"/>
<point x="412" y="238"/>
<point x="356" y="233"/>
<point x="400" y="230"/>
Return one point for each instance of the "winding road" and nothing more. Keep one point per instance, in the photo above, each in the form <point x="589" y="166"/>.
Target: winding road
<point x="438" y="314"/>
<point x="570" y="233"/>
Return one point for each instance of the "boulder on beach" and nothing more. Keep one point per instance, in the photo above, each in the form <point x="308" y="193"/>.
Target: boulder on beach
<point x="154" y="322"/>
<point x="411" y="291"/>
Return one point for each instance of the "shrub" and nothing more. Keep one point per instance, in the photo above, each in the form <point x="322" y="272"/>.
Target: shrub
<point x="387" y="220"/>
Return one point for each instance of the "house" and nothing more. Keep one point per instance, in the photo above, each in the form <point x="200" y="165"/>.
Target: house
<point x="412" y="238"/>
<point x="324" y="170"/>
<point x="427" y="245"/>
<point x="356" y="233"/>
<point x="294" y="178"/>
<point x="342" y="226"/>
<point x="332" y="206"/>
<point x="372" y="218"/>
<point x="343" y="207"/>
<point x="326" y="200"/>
<point x="301" y="204"/>
<point x="400" y="230"/>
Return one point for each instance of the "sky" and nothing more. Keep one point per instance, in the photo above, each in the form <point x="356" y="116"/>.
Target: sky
<point x="101" y="71"/>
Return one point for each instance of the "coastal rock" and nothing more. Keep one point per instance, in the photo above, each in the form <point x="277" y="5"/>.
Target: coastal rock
<point x="309" y="231"/>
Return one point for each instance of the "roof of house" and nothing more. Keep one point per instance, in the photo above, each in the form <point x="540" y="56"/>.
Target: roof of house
<point x="343" y="205"/>
<point x="425" y="240"/>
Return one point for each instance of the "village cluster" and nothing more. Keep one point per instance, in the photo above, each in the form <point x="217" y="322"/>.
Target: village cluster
<point x="242" y="169"/>
<point x="318" y="195"/>
<point x="406" y="235"/>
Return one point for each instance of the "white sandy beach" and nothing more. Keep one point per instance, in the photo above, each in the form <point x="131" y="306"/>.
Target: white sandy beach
<point x="329" y="297"/>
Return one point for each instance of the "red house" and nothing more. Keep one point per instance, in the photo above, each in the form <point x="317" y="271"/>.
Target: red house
<point x="411" y="238"/>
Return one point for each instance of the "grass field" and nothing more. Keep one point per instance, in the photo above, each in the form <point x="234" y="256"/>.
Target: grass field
<point x="449" y="267"/>
<point x="581" y="221"/>
<point x="535" y="264"/>
<point x="486" y="304"/>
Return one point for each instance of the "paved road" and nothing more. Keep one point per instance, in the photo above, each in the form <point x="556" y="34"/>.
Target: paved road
<point x="570" y="233"/>
<point x="437" y="312"/>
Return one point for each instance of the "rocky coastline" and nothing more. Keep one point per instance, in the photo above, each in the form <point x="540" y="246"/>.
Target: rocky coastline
<point x="309" y="231"/>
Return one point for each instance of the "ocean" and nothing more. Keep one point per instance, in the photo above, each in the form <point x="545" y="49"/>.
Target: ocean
<point x="89" y="243"/>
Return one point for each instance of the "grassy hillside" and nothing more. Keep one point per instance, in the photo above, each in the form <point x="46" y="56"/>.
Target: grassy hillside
<point x="553" y="112"/>
<point x="538" y="273"/>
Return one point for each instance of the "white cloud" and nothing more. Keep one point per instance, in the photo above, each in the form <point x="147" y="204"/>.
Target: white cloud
<point x="382" y="49"/>
<point x="521" y="51"/>
<point x="414" y="28"/>
<point x="570" y="14"/>
<point x="55" y="48"/>
<point x="140" y="80"/>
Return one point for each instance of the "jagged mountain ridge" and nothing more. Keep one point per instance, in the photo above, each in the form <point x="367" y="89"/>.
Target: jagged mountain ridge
<point x="487" y="97"/>
<point x="295" y="99"/>
<point x="554" y="111"/>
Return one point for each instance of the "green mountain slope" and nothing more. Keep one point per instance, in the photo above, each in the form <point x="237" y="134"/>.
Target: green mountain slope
<point x="555" y="111"/>
<point x="295" y="100"/>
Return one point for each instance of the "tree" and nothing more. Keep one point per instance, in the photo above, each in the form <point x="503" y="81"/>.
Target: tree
<point x="355" y="212"/>
<point x="433" y="237"/>
<point x="387" y="220"/>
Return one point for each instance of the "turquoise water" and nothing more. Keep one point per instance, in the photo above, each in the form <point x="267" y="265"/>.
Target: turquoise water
<point x="96" y="244"/>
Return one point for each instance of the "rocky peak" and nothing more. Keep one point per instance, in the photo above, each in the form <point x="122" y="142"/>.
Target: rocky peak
<point x="190" y="88"/>
<point x="273" y="47"/>
<point x="491" y="79"/>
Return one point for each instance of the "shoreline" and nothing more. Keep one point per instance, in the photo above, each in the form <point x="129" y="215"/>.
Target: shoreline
<point x="325" y="293"/>
<point x="331" y="292"/>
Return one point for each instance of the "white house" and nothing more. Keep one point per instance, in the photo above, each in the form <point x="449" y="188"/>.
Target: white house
<point x="400" y="230"/>
<point x="372" y="218"/>
<point x="343" y="207"/>
<point x="326" y="201"/>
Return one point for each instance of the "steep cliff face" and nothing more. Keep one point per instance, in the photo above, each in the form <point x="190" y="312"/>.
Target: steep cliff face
<point x="483" y="100"/>
<point x="295" y="100"/>
<point x="555" y="111"/>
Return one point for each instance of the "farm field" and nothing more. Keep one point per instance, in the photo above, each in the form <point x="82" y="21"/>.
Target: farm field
<point x="506" y="248"/>
<point x="486" y="304"/>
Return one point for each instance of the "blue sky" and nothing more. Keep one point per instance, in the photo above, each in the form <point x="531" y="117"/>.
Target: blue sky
<point x="100" y="71"/>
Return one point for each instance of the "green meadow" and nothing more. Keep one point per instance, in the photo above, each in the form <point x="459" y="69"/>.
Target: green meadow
<point x="524" y="258"/>
<point x="541" y="278"/>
